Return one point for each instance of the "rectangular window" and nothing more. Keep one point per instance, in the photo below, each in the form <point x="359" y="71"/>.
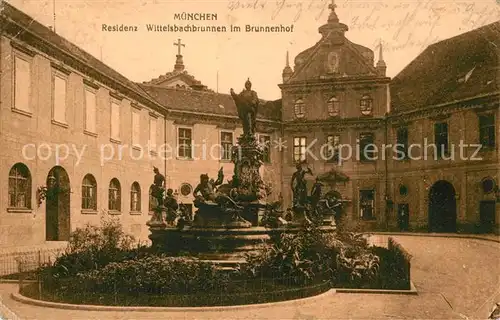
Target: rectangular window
<point x="90" y="111"/>
<point x="226" y="141"/>
<point x="299" y="149"/>
<point x="441" y="138"/>
<point x="265" y="142"/>
<point x="152" y="133"/>
<point x="332" y="148"/>
<point x="487" y="130"/>
<point x="136" y="129"/>
<point x="366" y="147"/>
<point x="367" y="204"/>
<point x="59" y="99"/>
<point x="115" y="121"/>
<point x="185" y="142"/>
<point x="22" y="84"/>
<point x="402" y="143"/>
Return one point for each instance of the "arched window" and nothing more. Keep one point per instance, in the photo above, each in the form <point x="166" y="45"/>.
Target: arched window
<point x="152" y="201"/>
<point x="366" y="105"/>
<point x="114" y="199"/>
<point x="333" y="107"/>
<point x="300" y="108"/>
<point x="135" y="197"/>
<point x="89" y="193"/>
<point x="19" y="187"/>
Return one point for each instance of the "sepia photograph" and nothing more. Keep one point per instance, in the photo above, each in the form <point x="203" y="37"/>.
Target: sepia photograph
<point x="249" y="159"/>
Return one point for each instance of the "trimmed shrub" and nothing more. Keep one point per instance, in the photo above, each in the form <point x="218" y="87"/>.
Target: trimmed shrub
<point x="151" y="275"/>
<point x="94" y="247"/>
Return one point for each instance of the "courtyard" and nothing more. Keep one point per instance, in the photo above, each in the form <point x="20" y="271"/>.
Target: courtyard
<point x="456" y="278"/>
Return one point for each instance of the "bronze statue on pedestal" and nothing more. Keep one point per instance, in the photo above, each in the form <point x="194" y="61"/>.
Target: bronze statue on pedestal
<point x="158" y="186"/>
<point x="299" y="185"/>
<point x="247" y="104"/>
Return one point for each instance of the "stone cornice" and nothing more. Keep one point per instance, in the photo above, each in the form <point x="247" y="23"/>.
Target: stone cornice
<point x="135" y="105"/>
<point x="265" y="128"/>
<point x="21" y="47"/>
<point x="60" y="67"/>
<point x="482" y="103"/>
<point x="217" y="118"/>
<point x="91" y="83"/>
<point x="227" y="126"/>
<point x="229" y="123"/>
<point x="336" y="82"/>
<point x="338" y="125"/>
<point x="116" y="95"/>
<point x="185" y="122"/>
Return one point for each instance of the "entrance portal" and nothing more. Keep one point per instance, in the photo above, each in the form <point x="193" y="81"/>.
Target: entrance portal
<point x="442" y="207"/>
<point x="487" y="215"/>
<point x="57" y="205"/>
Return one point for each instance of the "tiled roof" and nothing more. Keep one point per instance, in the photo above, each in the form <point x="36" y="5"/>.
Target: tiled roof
<point x="48" y="36"/>
<point x="458" y="68"/>
<point x="207" y="102"/>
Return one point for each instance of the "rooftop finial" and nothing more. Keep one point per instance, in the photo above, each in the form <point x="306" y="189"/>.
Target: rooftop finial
<point x="380" y="55"/>
<point x="287" y="71"/>
<point x="179" y="44"/>
<point x="179" y="63"/>
<point x="381" y="66"/>
<point x="332" y="18"/>
<point x="381" y="62"/>
<point x="332" y="6"/>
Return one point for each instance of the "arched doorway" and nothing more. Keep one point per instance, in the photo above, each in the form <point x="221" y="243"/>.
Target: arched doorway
<point x="57" y="205"/>
<point x="442" y="207"/>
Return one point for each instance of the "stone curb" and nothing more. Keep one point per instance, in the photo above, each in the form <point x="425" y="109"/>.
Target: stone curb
<point x="20" y="298"/>
<point x="412" y="291"/>
<point x="439" y="235"/>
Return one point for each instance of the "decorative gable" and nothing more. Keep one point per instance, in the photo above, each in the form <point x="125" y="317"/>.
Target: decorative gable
<point x="329" y="61"/>
<point x="333" y="56"/>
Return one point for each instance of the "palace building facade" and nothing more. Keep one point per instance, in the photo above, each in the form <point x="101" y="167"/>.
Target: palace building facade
<point x="414" y="174"/>
<point x="79" y="141"/>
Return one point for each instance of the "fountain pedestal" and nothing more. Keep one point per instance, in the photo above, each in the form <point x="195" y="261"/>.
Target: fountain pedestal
<point x="227" y="224"/>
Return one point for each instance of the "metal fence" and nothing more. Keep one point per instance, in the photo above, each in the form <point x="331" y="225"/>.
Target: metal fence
<point x="117" y="293"/>
<point x="14" y="263"/>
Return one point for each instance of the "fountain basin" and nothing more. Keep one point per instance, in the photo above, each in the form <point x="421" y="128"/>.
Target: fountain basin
<point x="219" y="245"/>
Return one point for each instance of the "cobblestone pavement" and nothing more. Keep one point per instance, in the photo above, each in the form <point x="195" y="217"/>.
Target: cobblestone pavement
<point x="456" y="279"/>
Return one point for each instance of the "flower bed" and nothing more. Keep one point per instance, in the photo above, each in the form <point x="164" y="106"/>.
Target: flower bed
<point x="296" y="265"/>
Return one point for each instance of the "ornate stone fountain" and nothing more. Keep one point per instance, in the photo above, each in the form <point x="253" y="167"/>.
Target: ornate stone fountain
<point x="232" y="219"/>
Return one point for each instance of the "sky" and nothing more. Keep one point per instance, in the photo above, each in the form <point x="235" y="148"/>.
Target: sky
<point x="405" y="28"/>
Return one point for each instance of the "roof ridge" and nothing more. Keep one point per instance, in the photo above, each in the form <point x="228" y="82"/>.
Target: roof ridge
<point x="462" y="36"/>
<point x="157" y="86"/>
